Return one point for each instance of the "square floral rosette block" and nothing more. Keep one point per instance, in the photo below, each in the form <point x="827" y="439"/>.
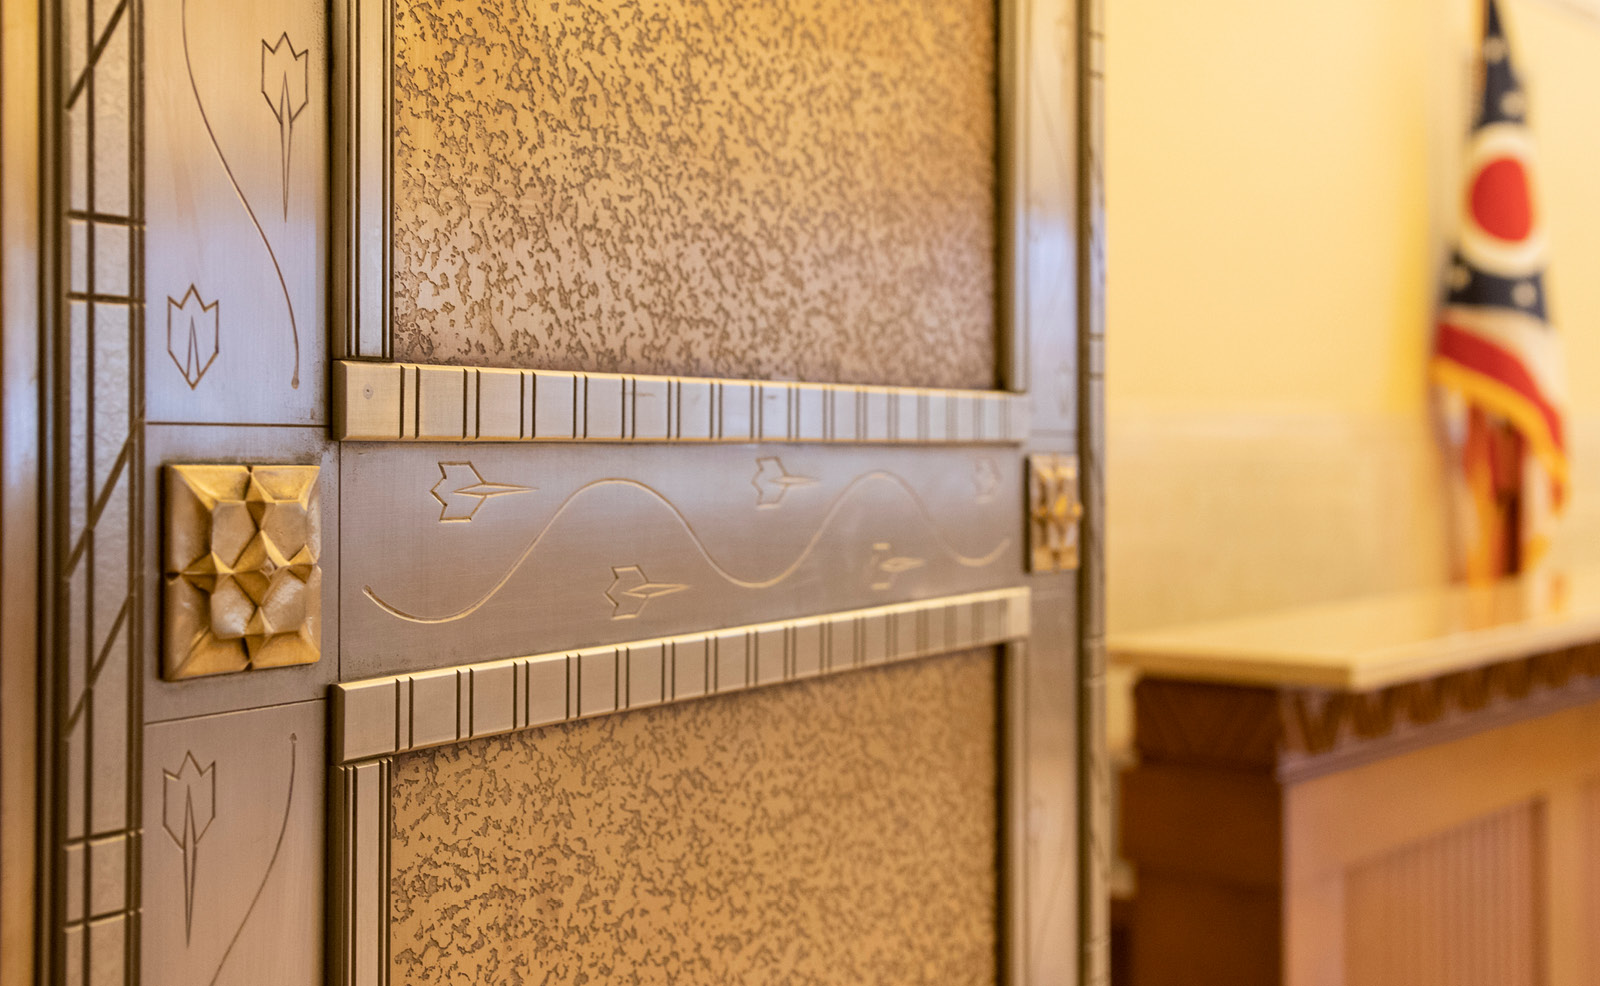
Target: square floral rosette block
<point x="243" y="587"/>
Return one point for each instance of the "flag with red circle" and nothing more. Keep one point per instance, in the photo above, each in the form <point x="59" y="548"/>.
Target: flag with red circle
<point x="1494" y="349"/>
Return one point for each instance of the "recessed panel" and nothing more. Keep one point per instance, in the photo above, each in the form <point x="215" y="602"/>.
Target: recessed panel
<point x="841" y="830"/>
<point x="791" y="190"/>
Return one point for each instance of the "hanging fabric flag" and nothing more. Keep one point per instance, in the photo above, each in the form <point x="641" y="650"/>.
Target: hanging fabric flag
<point x="1495" y="355"/>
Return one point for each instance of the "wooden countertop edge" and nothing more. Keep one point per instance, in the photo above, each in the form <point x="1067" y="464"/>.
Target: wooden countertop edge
<point x="1162" y="654"/>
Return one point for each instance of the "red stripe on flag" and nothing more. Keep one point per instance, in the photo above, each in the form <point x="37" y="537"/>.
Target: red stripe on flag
<point x="1472" y="351"/>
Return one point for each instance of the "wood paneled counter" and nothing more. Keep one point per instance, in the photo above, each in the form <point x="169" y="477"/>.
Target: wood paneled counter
<point x="1396" y="790"/>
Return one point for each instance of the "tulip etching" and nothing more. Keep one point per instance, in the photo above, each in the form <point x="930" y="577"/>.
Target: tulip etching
<point x="285" y="83"/>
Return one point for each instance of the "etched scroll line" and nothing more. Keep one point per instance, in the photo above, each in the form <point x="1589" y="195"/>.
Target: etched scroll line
<point x="966" y="561"/>
<point x="277" y="849"/>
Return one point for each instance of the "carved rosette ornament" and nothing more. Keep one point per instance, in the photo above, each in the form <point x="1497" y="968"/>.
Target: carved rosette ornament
<point x="1053" y="513"/>
<point x="243" y="588"/>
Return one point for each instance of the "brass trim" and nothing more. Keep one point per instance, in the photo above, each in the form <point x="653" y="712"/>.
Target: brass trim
<point x="22" y="530"/>
<point x="390" y="402"/>
<point x="384" y="716"/>
<point x="1095" y="775"/>
<point x="358" y="873"/>
<point x="361" y="43"/>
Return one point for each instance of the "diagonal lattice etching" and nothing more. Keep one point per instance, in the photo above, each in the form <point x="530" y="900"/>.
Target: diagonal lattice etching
<point x="92" y="131"/>
<point x="243" y="587"/>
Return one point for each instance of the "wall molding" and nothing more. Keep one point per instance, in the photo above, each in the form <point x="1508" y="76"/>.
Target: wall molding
<point x="1303" y="732"/>
<point x="392" y="402"/>
<point x="381" y="717"/>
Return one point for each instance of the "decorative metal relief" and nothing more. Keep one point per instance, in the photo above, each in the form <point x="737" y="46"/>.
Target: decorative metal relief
<point x="468" y="559"/>
<point x="243" y="586"/>
<point x="1053" y="513"/>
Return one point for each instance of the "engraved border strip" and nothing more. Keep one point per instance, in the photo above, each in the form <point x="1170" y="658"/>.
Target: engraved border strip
<point x="396" y="402"/>
<point x="381" y="717"/>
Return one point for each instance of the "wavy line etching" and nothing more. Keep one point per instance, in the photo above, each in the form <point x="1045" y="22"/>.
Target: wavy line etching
<point x="767" y="582"/>
<point x="188" y="63"/>
<point x="294" y="742"/>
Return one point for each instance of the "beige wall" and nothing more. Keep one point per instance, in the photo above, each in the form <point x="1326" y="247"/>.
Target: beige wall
<point x="1281" y="181"/>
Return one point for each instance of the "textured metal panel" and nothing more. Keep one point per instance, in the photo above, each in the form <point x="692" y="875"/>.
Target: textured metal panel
<point x="839" y="831"/>
<point x="389" y="402"/>
<point x="792" y="190"/>
<point x="236" y="245"/>
<point x="473" y="555"/>
<point x="233" y="860"/>
<point x="597" y="681"/>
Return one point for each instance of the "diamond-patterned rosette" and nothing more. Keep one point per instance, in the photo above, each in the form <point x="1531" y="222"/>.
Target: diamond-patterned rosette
<point x="1053" y="513"/>
<point x="243" y="586"/>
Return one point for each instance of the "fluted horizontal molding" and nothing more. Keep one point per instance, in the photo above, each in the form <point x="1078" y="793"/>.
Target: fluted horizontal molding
<point x="392" y="402"/>
<point x="384" y="716"/>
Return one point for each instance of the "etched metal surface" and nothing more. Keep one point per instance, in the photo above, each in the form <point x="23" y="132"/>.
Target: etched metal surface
<point x="802" y="190"/>
<point x="384" y="716"/>
<point x="613" y="544"/>
<point x="407" y="401"/>
<point x="233" y="855"/>
<point x="237" y="194"/>
<point x="243" y="585"/>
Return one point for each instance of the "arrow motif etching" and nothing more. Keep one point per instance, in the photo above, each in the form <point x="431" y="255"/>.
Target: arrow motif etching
<point x="886" y="566"/>
<point x="461" y="490"/>
<point x="631" y="590"/>
<point x="189" y="805"/>
<point x="772" y="481"/>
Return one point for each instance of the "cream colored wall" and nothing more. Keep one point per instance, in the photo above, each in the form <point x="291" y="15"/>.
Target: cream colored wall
<point x="1281" y="180"/>
<point x="1280" y="185"/>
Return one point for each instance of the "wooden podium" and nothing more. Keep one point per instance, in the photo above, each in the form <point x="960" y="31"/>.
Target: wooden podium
<point x="1401" y="790"/>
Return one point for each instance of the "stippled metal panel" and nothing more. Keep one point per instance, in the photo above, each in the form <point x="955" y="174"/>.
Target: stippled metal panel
<point x="794" y="190"/>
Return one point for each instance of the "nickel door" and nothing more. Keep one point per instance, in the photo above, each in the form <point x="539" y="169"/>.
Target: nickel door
<point x="558" y="492"/>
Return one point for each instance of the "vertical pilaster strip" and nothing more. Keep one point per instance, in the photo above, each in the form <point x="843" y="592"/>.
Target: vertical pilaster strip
<point x="362" y="43"/>
<point x="93" y="316"/>
<point x="1095" y="772"/>
<point x="358" y="862"/>
<point x="21" y="521"/>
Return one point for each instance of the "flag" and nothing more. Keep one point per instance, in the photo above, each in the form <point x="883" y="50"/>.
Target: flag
<point x="1496" y="357"/>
